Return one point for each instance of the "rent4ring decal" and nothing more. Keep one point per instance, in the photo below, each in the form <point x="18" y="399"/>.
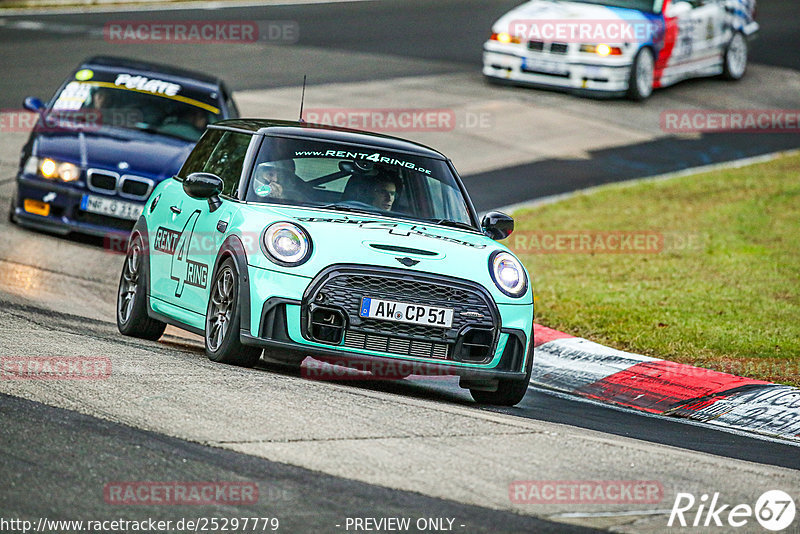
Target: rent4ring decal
<point x="196" y="274"/>
<point x="182" y="269"/>
<point x="392" y="228"/>
<point x="166" y="240"/>
<point x="375" y="156"/>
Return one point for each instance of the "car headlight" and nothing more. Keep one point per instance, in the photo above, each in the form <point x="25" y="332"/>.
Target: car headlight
<point x="505" y="38"/>
<point x="508" y="274"/>
<point x="54" y="170"/>
<point x="286" y="244"/>
<point x="68" y="172"/>
<point x="601" y="50"/>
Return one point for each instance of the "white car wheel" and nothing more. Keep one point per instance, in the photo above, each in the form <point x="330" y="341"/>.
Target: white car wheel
<point x="640" y="82"/>
<point x="735" y="61"/>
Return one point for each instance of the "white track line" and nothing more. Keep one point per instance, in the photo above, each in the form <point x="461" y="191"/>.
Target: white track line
<point x="734" y="164"/>
<point x="133" y="7"/>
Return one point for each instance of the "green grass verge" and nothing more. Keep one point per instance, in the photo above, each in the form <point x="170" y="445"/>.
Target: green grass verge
<point x="717" y="287"/>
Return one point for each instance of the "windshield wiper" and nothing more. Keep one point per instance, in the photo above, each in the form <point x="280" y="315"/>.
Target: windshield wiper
<point x="342" y="207"/>
<point x="451" y="223"/>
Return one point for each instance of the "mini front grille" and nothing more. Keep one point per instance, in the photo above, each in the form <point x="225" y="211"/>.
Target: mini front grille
<point x="343" y="287"/>
<point x="536" y="46"/>
<point x="391" y="345"/>
<point x="99" y="180"/>
<point x="558" y="48"/>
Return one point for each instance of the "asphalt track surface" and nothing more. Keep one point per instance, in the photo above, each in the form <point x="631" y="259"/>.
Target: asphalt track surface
<point x="55" y="460"/>
<point x="302" y="500"/>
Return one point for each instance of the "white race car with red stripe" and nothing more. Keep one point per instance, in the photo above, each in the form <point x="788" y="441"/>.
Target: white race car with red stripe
<point x="622" y="47"/>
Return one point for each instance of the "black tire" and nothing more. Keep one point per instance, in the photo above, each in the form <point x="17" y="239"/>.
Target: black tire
<point x="132" y="318"/>
<point x="224" y="318"/>
<point x="640" y="79"/>
<point x="11" y="209"/>
<point x="509" y="392"/>
<point x="734" y="61"/>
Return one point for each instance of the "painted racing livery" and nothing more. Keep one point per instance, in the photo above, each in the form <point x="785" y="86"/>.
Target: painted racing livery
<point x="619" y="47"/>
<point x="113" y="130"/>
<point x="279" y="238"/>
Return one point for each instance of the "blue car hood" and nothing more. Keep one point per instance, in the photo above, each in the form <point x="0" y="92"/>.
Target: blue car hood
<point x="148" y="155"/>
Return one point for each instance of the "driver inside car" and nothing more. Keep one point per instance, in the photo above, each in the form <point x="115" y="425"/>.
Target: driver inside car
<point x="381" y="192"/>
<point x="277" y="180"/>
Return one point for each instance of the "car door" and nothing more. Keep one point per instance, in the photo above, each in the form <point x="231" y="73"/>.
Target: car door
<point x="169" y="219"/>
<point x="204" y="230"/>
<point x="186" y="245"/>
<point x="698" y="32"/>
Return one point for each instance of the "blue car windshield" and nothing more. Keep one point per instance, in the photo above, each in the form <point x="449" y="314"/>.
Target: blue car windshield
<point x="100" y="106"/>
<point x="650" y="6"/>
<point x="357" y="178"/>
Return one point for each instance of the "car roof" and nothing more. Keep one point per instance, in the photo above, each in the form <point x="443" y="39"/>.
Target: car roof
<point x="183" y="76"/>
<point x="325" y="132"/>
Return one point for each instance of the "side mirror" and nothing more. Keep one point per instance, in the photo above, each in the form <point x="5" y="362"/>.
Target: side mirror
<point x="497" y="225"/>
<point x="204" y="185"/>
<point x="31" y="103"/>
<point x="677" y="8"/>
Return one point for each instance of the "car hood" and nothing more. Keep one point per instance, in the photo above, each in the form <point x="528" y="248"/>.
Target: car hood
<point x="383" y="242"/>
<point x="560" y="11"/>
<point x="155" y="157"/>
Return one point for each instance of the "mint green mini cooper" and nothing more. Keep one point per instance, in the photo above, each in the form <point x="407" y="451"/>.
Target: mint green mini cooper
<point x="286" y="240"/>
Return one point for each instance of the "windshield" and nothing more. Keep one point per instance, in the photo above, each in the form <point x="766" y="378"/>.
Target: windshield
<point x="651" y="6"/>
<point x="354" y="178"/>
<point x="123" y="108"/>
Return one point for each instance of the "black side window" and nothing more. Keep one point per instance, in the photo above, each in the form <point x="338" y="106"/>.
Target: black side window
<point x="227" y="158"/>
<point x="199" y="156"/>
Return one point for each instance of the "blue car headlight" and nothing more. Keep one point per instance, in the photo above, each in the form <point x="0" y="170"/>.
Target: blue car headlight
<point x="286" y="244"/>
<point x="52" y="169"/>
<point x="508" y="274"/>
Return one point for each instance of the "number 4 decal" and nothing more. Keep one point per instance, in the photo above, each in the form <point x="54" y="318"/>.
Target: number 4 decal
<point x="179" y="267"/>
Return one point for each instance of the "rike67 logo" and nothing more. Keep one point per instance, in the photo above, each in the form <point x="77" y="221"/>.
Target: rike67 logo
<point x="774" y="510"/>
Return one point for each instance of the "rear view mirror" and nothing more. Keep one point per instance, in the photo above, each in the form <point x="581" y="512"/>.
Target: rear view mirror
<point x="31" y="103"/>
<point x="497" y="225"/>
<point x="204" y="185"/>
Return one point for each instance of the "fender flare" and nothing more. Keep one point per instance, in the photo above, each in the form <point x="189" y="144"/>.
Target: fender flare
<point x="140" y="230"/>
<point x="233" y="247"/>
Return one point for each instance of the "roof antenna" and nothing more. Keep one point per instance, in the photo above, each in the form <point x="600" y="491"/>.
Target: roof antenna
<point x="302" y="98"/>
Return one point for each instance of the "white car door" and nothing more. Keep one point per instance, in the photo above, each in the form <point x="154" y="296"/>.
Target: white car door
<point x="700" y="30"/>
